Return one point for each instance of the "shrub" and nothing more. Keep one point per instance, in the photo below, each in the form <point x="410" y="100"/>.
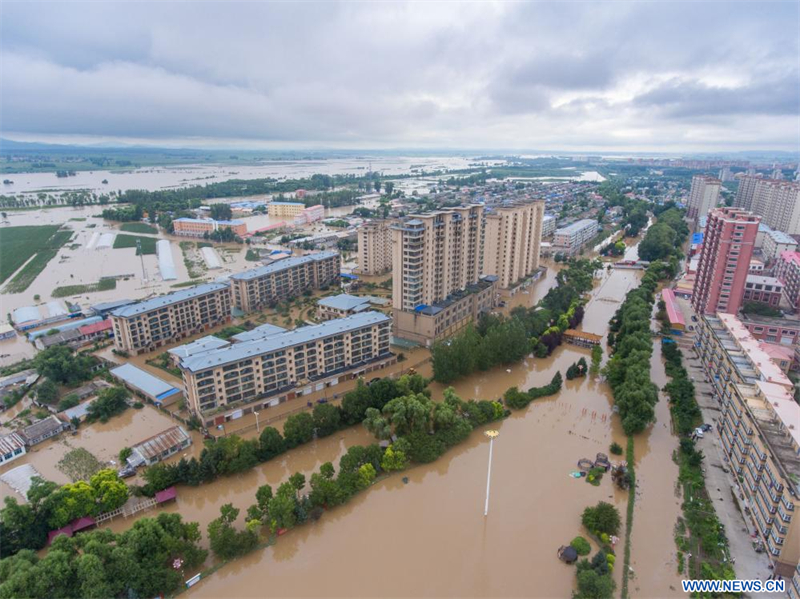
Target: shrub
<point x="602" y="518"/>
<point x="581" y="545"/>
<point x="616" y="448"/>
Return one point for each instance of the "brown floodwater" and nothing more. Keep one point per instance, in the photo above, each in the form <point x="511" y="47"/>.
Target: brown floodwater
<point x="434" y="527"/>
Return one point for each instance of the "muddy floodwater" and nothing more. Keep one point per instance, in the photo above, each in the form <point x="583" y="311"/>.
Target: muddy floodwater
<point x="428" y="536"/>
<point x="153" y="178"/>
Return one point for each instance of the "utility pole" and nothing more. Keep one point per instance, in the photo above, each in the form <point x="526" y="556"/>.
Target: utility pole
<point x="491" y="435"/>
<point x="141" y="256"/>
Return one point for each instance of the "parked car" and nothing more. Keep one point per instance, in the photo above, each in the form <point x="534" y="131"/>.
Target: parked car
<point x="694" y="318"/>
<point x="706" y="427"/>
<point x="698" y="432"/>
<point x="127" y="472"/>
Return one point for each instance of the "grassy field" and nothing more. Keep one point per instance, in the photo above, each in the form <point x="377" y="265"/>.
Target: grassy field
<point x="129" y="241"/>
<point x="67" y="290"/>
<point x="138" y="228"/>
<point x="23" y="279"/>
<point x="18" y="244"/>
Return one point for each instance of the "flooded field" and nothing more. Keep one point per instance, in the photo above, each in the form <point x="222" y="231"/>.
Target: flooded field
<point x="153" y="178"/>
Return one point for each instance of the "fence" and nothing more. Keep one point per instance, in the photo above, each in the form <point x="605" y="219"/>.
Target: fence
<point x="127" y="510"/>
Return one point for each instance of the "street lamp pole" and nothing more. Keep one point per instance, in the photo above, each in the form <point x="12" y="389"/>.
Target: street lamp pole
<point x="258" y="430"/>
<point x="491" y="435"/>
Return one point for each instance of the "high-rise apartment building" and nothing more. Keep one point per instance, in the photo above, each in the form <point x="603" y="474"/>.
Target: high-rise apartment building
<point x="724" y="261"/>
<point x="703" y="196"/>
<point x="436" y="254"/>
<point x="283" y="366"/>
<point x="746" y="191"/>
<point x="375" y="247"/>
<point x="777" y="202"/>
<point x="284" y="279"/>
<point x="512" y="240"/>
<point x="548" y="225"/>
<point x="758" y="431"/>
<point x="156" y="322"/>
<point x="437" y="261"/>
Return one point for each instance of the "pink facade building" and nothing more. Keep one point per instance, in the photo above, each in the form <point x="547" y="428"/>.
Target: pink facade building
<point x="788" y="271"/>
<point x="765" y="290"/>
<point x="724" y="261"/>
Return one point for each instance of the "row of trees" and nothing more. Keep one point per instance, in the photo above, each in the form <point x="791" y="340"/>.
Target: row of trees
<point x="518" y="400"/>
<point x="701" y="520"/>
<point x="506" y="340"/>
<point x="628" y="370"/>
<point x="50" y="507"/>
<point x="421" y="430"/>
<point x="232" y="454"/>
<point x="150" y="559"/>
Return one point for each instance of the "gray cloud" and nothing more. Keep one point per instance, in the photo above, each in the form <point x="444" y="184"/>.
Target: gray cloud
<point x="395" y="74"/>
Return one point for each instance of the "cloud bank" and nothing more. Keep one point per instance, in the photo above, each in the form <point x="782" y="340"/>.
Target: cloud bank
<point x="566" y="75"/>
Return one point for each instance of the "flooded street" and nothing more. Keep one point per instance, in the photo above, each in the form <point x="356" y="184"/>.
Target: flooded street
<point x="434" y="524"/>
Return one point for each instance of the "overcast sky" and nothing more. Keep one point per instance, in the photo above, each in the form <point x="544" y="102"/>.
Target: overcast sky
<point x="672" y="76"/>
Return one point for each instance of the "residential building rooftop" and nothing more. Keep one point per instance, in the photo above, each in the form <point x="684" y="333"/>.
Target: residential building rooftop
<point x="242" y="351"/>
<point x="198" y="346"/>
<point x="344" y="301"/>
<point x="167" y="300"/>
<point x="144" y="381"/>
<point x="261" y="271"/>
<point x="260" y="332"/>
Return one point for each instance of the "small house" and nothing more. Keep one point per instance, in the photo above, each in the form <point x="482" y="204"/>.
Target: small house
<point x="42" y="430"/>
<point x="12" y="446"/>
<point x="159" y="447"/>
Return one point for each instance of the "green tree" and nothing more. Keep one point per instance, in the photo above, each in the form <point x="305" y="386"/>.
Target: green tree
<point x="299" y="429"/>
<point x="602" y="518"/>
<point x="109" y="490"/>
<point x="47" y="392"/>
<point x="225" y="540"/>
<point x="327" y="419"/>
<point x="393" y="460"/>
<point x="270" y="444"/>
<point x="366" y="476"/>
<point x="110" y="402"/>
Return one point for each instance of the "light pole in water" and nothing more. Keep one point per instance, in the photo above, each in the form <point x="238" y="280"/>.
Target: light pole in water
<point x="491" y="435"/>
<point x="258" y="430"/>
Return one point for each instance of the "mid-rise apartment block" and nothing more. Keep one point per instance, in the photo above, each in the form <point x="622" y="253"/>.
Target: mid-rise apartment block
<point x="267" y="371"/>
<point x="437" y="260"/>
<point x="285" y="209"/>
<point x="512" y="240"/>
<point x="156" y="322"/>
<point x="788" y="271"/>
<point x="283" y="279"/>
<point x="570" y="239"/>
<point x="775" y="243"/>
<point x="703" y="196"/>
<point x="724" y="260"/>
<point x="776" y="201"/>
<point x="784" y="331"/>
<point x="548" y="225"/>
<point x="375" y="247"/>
<point x="758" y="431"/>
<point x="198" y="227"/>
<point x="764" y="290"/>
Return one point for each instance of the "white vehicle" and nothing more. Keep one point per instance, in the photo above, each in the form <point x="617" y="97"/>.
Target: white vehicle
<point x="698" y="432"/>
